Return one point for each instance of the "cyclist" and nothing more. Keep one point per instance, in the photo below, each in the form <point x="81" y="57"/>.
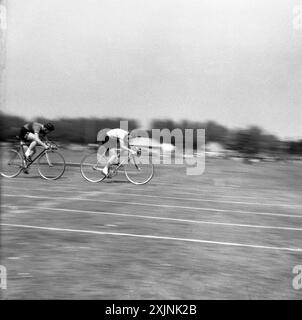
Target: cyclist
<point x="114" y="139"/>
<point x="31" y="132"/>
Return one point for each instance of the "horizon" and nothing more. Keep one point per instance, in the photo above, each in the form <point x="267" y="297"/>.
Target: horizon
<point x="149" y="127"/>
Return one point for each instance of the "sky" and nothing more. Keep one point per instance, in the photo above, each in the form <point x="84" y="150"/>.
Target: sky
<point x="235" y="62"/>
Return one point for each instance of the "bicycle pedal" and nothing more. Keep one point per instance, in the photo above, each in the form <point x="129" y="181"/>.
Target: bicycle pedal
<point x="111" y="173"/>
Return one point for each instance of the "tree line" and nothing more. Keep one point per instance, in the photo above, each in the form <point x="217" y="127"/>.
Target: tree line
<point x="250" y="141"/>
<point x="69" y="130"/>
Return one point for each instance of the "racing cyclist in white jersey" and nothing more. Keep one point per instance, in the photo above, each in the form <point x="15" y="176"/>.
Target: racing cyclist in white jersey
<point x="116" y="138"/>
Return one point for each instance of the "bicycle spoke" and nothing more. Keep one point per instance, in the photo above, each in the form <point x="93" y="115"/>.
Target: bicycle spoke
<point x="91" y="167"/>
<point x="138" y="171"/>
<point x="51" y="165"/>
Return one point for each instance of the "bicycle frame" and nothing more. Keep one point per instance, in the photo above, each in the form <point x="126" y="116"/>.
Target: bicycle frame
<point x="97" y="161"/>
<point x="29" y="163"/>
<point x="51" y="159"/>
<point x="122" y="162"/>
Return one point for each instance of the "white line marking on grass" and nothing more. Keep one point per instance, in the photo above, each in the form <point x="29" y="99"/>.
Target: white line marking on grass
<point x="157" y="205"/>
<point x="62" y="187"/>
<point x="150" y="237"/>
<point x="57" y="188"/>
<point x="162" y="218"/>
<point x="177" y="187"/>
<point x="201" y="193"/>
<point x="182" y="198"/>
<point x="195" y="199"/>
<point x="186" y="191"/>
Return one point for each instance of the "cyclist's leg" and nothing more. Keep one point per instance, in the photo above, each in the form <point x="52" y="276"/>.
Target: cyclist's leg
<point x="24" y="146"/>
<point x="31" y="149"/>
<point x="111" y="144"/>
<point x="22" y="136"/>
<point x="113" y="158"/>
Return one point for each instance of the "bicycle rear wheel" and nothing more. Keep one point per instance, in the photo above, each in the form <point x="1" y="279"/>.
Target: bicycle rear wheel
<point x="138" y="171"/>
<point x="91" y="166"/>
<point x="11" y="163"/>
<point x="51" y="165"/>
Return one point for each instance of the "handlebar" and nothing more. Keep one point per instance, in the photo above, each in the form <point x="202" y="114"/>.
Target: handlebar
<point x="137" y="150"/>
<point x="51" y="145"/>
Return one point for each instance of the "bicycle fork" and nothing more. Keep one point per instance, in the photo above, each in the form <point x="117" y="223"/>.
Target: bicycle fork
<point x="48" y="160"/>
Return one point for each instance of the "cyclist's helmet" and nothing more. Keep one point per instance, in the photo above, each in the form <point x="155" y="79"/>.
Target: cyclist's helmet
<point x="49" y="126"/>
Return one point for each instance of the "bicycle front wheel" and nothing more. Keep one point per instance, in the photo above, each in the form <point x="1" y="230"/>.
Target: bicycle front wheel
<point x="51" y="165"/>
<point x="138" y="171"/>
<point x="11" y="163"/>
<point x="91" y="166"/>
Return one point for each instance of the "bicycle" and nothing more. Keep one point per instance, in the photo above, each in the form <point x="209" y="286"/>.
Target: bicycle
<point x="137" y="170"/>
<point x="51" y="164"/>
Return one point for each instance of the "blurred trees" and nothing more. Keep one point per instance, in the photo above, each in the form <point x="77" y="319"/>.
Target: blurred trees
<point x="294" y="147"/>
<point x="9" y="126"/>
<point x="76" y="130"/>
<point x="248" y="142"/>
<point x="83" y="130"/>
<point x="213" y="132"/>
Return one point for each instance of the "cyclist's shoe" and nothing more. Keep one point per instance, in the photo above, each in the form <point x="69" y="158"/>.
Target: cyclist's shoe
<point x="96" y="168"/>
<point x="28" y="159"/>
<point x="26" y="171"/>
<point x="105" y="171"/>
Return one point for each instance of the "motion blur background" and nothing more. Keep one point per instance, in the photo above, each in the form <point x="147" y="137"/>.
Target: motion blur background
<point x="230" y="67"/>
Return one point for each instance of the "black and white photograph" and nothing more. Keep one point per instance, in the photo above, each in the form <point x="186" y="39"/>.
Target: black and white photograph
<point x="151" y="150"/>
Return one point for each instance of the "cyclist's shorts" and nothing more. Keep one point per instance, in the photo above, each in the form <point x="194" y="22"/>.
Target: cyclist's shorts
<point x="110" y="142"/>
<point x="23" y="134"/>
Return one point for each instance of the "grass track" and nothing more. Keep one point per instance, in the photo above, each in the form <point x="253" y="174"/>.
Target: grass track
<point x="110" y="264"/>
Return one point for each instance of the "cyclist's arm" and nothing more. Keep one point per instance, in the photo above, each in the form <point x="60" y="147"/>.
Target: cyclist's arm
<point x="125" y="147"/>
<point x="46" y="139"/>
<point x="39" y="141"/>
<point x="37" y="128"/>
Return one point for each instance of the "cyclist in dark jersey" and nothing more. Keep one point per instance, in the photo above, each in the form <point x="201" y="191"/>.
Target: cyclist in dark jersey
<point x="31" y="132"/>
